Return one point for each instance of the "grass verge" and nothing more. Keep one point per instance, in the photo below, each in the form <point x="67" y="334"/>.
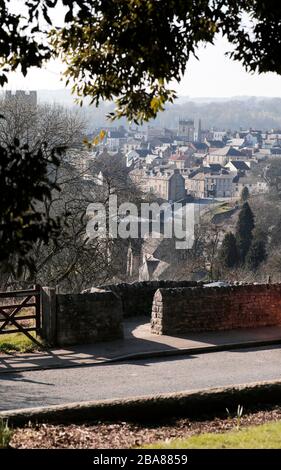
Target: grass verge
<point x="265" y="436"/>
<point x="17" y="342"/>
<point x="222" y="208"/>
<point x="5" y="434"/>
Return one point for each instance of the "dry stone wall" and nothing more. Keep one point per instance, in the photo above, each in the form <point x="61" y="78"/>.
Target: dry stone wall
<point x="137" y="297"/>
<point x="88" y="318"/>
<point x="182" y="310"/>
<point x="96" y="314"/>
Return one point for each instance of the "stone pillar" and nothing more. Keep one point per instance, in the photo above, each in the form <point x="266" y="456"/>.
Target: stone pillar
<point x="156" y="325"/>
<point x="49" y="316"/>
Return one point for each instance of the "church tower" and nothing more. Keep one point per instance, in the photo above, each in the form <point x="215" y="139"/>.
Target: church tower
<point x="199" y="137"/>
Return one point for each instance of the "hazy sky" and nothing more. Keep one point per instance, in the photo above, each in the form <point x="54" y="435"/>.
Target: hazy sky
<point x="213" y="75"/>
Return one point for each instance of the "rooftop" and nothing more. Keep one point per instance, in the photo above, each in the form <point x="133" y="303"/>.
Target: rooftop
<point x="240" y="165"/>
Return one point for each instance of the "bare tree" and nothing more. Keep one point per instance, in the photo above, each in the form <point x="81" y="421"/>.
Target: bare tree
<point x="51" y="125"/>
<point x="40" y="129"/>
<point x="74" y="262"/>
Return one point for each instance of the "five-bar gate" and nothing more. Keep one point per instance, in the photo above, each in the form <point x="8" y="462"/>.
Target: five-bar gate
<point x="20" y="312"/>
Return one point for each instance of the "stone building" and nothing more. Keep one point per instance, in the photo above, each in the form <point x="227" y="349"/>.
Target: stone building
<point x="187" y="129"/>
<point x="219" y="185"/>
<point x="238" y="167"/>
<point x="167" y="184"/>
<point x="254" y="185"/>
<point x="27" y="98"/>
<point x="207" y="184"/>
<point x="224" y="155"/>
<point x="154" y="257"/>
<point x="179" y="160"/>
<point x="195" y="185"/>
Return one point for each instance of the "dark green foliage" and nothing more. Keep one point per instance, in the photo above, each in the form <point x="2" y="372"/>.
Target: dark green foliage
<point x="129" y="50"/>
<point x="245" y="194"/>
<point x="256" y="254"/>
<point x="24" y="186"/>
<point x="228" y="255"/>
<point x="244" y="231"/>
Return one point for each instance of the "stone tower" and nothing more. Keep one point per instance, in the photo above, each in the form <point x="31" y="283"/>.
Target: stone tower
<point x="28" y="98"/>
<point x="199" y="138"/>
<point x="187" y="129"/>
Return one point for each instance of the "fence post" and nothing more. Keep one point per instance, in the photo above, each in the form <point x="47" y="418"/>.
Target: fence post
<point x="38" y="318"/>
<point x="49" y="316"/>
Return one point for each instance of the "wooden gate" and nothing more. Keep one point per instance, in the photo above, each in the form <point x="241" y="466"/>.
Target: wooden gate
<point x="21" y="310"/>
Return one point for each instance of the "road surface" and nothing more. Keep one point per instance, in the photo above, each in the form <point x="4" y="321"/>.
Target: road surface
<point x="140" y="377"/>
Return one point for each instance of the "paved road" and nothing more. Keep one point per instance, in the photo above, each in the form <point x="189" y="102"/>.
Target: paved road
<point x="142" y="377"/>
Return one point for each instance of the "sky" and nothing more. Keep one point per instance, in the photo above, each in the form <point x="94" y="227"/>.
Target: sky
<point x="213" y="75"/>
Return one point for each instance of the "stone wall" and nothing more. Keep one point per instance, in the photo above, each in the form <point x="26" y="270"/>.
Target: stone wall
<point x="81" y="318"/>
<point x="182" y="310"/>
<point x="137" y="297"/>
<point x="97" y="314"/>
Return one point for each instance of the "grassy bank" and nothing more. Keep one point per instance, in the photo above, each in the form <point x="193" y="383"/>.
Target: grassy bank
<point x="16" y="342"/>
<point x="265" y="436"/>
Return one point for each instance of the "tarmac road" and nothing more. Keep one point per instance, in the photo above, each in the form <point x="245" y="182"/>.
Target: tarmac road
<point x="140" y="377"/>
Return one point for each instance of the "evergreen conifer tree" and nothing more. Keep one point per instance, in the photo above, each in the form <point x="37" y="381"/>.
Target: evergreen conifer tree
<point x="244" y="231"/>
<point x="228" y="255"/>
<point x="256" y="254"/>
<point x="245" y="194"/>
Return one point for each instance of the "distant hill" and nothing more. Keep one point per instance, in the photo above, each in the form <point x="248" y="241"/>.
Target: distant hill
<point x="221" y="113"/>
<point x="233" y="113"/>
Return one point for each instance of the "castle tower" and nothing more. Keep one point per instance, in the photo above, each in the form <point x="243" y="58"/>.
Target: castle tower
<point x="21" y="96"/>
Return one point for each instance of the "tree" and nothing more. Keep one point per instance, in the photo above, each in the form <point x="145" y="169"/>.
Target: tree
<point x="70" y="262"/>
<point x="228" y="255"/>
<point x="130" y="50"/>
<point x="244" y="229"/>
<point x="73" y="262"/>
<point x="256" y="254"/>
<point x="245" y="194"/>
<point x="273" y="177"/>
<point x="51" y="125"/>
<point x="273" y="265"/>
<point x="27" y="167"/>
<point x="22" y="221"/>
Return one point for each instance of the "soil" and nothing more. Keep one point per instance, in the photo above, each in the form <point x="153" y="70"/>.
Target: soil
<point x="123" y="435"/>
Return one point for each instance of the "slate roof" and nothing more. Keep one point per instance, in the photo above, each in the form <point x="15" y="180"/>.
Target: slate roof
<point x="143" y="152"/>
<point x="233" y="152"/>
<point x="226" y="152"/>
<point x="240" y="165"/>
<point x="216" y="143"/>
<point x="215" y="167"/>
<point x="275" y="151"/>
<point x="200" y="146"/>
